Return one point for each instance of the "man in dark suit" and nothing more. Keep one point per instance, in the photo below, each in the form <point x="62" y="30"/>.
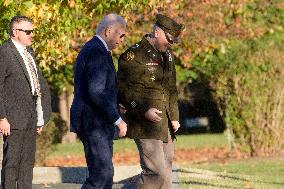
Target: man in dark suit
<point x="94" y="113"/>
<point x="24" y="105"/>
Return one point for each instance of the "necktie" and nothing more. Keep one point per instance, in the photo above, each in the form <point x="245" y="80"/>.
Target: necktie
<point x="35" y="81"/>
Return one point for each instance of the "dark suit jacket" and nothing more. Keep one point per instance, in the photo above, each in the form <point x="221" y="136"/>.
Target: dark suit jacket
<point x="16" y="100"/>
<point x="94" y="108"/>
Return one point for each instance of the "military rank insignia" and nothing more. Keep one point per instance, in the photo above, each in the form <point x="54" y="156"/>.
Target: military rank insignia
<point x="130" y="55"/>
<point x="152" y="67"/>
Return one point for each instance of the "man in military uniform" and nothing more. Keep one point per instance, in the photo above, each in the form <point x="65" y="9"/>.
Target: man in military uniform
<point x="147" y="89"/>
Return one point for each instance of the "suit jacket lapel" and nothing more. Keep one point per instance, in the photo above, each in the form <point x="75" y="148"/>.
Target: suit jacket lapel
<point x="110" y="62"/>
<point x="108" y="54"/>
<point x="20" y="60"/>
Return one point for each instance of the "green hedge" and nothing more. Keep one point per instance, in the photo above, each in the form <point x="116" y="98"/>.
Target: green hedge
<point x="248" y="78"/>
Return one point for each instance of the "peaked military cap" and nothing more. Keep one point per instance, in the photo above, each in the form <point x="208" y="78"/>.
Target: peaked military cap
<point x="169" y="25"/>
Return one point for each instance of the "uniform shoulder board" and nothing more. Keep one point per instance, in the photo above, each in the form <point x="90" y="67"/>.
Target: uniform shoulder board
<point x="135" y="46"/>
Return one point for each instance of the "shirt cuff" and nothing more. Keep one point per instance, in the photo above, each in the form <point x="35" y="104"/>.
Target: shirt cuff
<point x="40" y="120"/>
<point x="118" y="121"/>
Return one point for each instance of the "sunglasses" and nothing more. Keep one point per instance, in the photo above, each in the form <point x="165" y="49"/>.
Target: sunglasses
<point x="169" y="38"/>
<point x="122" y="36"/>
<point x="28" y="32"/>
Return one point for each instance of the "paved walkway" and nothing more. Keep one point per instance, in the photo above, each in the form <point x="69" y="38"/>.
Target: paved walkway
<point x="76" y="186"/>
<point x="73" y="177"/>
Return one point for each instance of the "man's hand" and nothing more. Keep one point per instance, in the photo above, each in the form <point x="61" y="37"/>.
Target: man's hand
<point x="152" y="115"/>
<point x="5" y="127"/>
<point x="39" y="129"/>
<point x="122" y="129"/>
<point x="122" y="109"/>
<point x="175" y="125"/>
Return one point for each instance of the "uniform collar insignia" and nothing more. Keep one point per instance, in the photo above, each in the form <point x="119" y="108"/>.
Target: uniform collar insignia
<point x="130" y="55"/>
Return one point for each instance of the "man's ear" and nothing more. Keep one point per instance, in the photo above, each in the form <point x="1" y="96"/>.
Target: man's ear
<point x="157" y="32"/>
<point x="107" y="31"/>
<point x="14" y="32"/>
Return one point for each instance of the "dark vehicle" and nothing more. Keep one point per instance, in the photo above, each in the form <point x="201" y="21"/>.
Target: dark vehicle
<point x="198" y="111"/>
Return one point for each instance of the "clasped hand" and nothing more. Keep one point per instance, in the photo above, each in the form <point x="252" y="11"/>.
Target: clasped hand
<point x="122" y="126"/>
<point x="5" y="127"/>
<point x="152" y="115"/>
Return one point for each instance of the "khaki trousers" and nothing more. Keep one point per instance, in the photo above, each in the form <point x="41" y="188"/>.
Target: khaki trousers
<point x="156" y="159"/>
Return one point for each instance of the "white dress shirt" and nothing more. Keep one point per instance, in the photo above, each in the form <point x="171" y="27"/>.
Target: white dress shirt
<point x="21" y="49"/>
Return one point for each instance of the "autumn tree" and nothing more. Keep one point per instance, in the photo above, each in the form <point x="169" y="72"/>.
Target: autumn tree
<point x="235" y="46"/>
<point x="61" y="28"/>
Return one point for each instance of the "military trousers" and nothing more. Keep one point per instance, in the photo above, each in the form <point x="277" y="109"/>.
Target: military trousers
<point x="156" y="159"/>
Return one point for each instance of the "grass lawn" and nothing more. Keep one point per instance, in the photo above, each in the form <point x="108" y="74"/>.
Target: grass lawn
<point x="200" y="141"/>
<point x="183" y="142"/>
<point x="251" y="174"/>
<point x="237" y="174"/>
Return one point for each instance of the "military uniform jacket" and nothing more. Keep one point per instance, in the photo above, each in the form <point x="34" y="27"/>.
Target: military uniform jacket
<point x="147" y="79"/>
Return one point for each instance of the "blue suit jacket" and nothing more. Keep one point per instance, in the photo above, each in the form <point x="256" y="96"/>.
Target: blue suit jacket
<point x="94" y="108"/>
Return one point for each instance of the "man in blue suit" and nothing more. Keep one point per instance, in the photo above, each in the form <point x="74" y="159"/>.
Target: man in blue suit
<point x="94" y="112"/>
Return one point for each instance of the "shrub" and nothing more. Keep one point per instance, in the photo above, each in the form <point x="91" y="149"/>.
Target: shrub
<point x="248" y="79"/>
<point x="52" y="134"/>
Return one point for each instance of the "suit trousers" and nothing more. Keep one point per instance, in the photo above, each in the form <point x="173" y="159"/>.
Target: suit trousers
<point x="156" y="159"/>
<point x="18" y="159"/>
<point x="98" y="153"/>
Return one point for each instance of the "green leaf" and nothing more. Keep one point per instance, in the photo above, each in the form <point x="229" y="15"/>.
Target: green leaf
<point x="28" y="4"/>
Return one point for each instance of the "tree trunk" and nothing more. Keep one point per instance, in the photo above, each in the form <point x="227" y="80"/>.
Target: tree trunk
<point x="65" y="101"/>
